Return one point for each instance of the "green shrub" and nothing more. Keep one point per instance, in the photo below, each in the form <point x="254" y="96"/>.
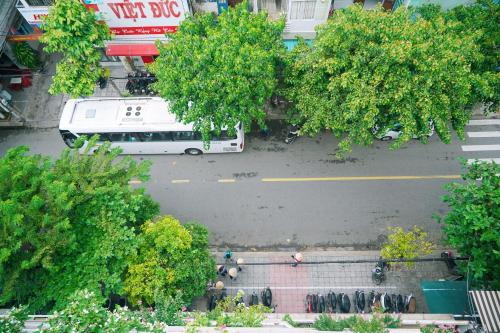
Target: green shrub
<point x="406" y="245"/>
<point x="168" y="309"/>
<point x="14" y="321"/>
<point x="171" y="257"/>
<point x="231" y="314"/>
<point x="326" y="323"/>
<point x="85" y="314"/>
<point x="377" y="323"/>
<point x="438" y="329"/>
<point x="374" y="325"/>
<point x="290" y="321"/>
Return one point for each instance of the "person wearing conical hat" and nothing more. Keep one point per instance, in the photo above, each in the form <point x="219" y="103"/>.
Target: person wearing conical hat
<point x="219" y="285"/>
<point x="297" y="257"/>
<point x="240" y="263"/>
<point x="233" y="273"/>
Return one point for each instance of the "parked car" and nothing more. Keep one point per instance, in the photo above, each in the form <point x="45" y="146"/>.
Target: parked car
<point x="394" y="132"/>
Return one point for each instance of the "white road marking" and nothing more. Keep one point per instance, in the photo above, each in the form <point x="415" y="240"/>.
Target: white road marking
<point x="493" y="134"/>
<point x="134" y="181"/>
<point x="480" y="147"/>
<point x="488" y="160"/>
<point x="226" y="180"/>
<point x="180" y="181"/>
<point x="480" y="122"/>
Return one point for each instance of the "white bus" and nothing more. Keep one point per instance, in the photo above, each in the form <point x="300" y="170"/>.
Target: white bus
<point x="140" y="125"/>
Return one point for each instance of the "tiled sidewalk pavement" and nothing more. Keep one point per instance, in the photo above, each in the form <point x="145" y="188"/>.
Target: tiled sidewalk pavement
<point x="290" y="285"/>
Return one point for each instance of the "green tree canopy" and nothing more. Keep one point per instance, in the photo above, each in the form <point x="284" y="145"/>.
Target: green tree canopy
<point x="68" y="224"/>
<point x="472" y="226"/>
<point x="480" y="20"/>
<point x="375" y="68"/>
<point x="73" y="30"/>
<point x="171" y="258"/>
<point x="220" y="70"/>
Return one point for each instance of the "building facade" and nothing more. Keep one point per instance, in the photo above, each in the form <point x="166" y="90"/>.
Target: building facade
<point x="137" y="24"/>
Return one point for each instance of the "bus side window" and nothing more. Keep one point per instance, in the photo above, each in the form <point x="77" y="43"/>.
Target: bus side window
<point x="214" y="136"/>
<point x="103" y="137"/>
<point x="165" y="136"/>
<point x="155" y="136"/>
<point x="146" y="136"/>
<point x="183" y="136"/>
<point x="131" y="137"/>
<point x="115" y="137"/>
<point x="224" y="136"/>
<point x="88" y="135"/>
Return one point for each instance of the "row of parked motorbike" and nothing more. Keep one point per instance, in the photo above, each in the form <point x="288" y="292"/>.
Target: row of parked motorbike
<point x="138" y="83"/>
<point x="266" y="299"/>
<point x="318" y="303"/>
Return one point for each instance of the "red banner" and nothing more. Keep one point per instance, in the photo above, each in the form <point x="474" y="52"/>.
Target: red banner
<point x="157" y="30"/>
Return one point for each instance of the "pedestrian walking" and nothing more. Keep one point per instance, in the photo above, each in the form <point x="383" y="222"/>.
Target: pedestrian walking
<point x="233" y="273"/>
<point x="228" y="254"/>
<point x="239" y="263"/>
<point x="297" y="258"/>
<point x="219" y="285"/>
<point x="222" y="270"/>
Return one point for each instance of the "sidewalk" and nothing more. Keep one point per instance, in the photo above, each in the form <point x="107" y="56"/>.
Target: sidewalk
<point x="43" y="110"/>
<point x="290" y="285"/>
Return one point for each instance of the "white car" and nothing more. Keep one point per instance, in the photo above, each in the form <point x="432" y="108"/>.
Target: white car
<point x="396" y="131"/>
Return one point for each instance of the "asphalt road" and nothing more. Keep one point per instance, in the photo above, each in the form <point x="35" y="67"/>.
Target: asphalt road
<point x="243" y="204"/>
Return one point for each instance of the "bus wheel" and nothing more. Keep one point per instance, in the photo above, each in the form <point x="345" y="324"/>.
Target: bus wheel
<point x="193" y="151"/>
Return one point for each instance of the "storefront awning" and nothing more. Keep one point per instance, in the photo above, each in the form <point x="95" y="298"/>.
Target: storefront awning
<point x="488" y="306"/>
<point x="129" y="50"/>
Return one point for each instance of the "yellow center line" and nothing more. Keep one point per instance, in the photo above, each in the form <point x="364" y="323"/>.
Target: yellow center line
<point x="226" y="180"/>
<point x="358" y="178"/>
<point x="180" y="181"/>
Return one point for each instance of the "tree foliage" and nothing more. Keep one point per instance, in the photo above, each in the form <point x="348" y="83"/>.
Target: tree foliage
<point x="472" y="226"/>
<point x="406" y="245"/>
<point x="375" y="68"/>
<point x="171" y="258"/>
<point x="481" y="21"/>
<point x="84" y="313"/>
<point x="220" y="70"/>
<point x="73" y="30"/>
<point x="68" y="224"/>
<point x="26" y="55"/>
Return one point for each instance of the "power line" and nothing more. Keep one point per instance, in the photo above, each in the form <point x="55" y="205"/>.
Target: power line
<point x="351" y="261"/>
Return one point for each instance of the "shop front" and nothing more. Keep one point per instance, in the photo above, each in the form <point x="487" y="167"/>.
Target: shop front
<point x="135" y="24"/>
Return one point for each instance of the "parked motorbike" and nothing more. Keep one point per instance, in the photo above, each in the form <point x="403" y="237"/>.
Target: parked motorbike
<point x="400" y="304"/>
<point x="212" y="302"/>
<point x="451" y="265"/>
<point x="267" y="297"/>
<point x="410" y="304"/>
<point x="309" y="308"/>
<point x="386" y="302"/>
<point x="321" y="304"/>
<point x="344" y="303"/>
<point x="102" y="82"/>
<point x="293" y="133"/>
<point x="138" y="83"/>
<point x="254" y="299"/>
<point x="378" y="273"/>
<point x="371" y="300"/>
<point x="359" y="301"/>
<point x="314" y="303"/>
<point x="331" y="301"/>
